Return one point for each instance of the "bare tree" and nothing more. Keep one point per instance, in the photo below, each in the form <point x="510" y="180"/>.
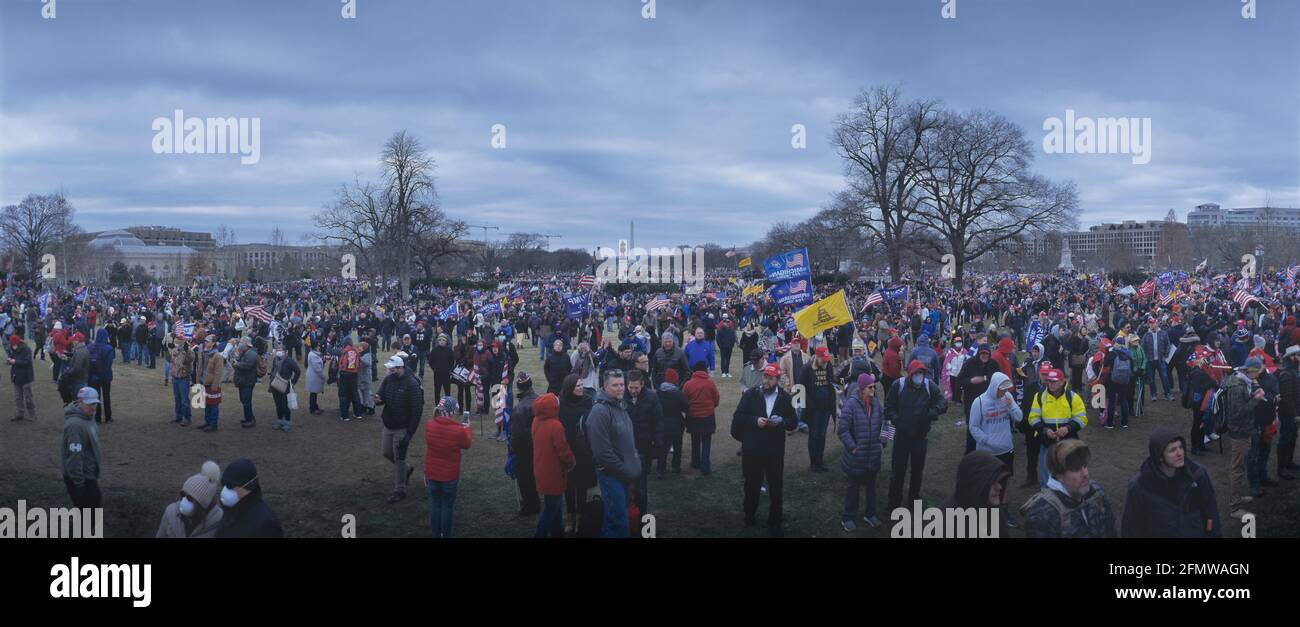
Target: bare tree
<point x="880" y="141"/>
<point x="977" y="191"/>
<point x="226" y="236"/>
<point x="358" y="219"/>
<point x="437" y="238"/>
<point x="34" y="226"/>
<point x="409" y="193"/>
<point x="277" y="237"/>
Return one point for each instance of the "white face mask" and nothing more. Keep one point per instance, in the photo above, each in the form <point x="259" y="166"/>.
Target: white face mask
<point x="229" y="497"/>
<point x="918" y="378"/>
<point x="186" y="506"/>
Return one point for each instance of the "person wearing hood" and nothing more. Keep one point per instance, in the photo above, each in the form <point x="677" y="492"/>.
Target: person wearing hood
<point x="552" y="459"/>
<point x="859" y="427"/>
<point x="911" y="406"/>
<point x="760" y="422"/>
<point x="22" y="374"/>
<point x="674" y="404"/>
<point x="891" y="367"/>
<point x="445" y="438"/>
<point x="1004" y="355"/>
<point x="198" y="513"/>
<point x="1170" y="496"/>
<point x="982" y="484"/>
<point x="702" y="399"/>
<point x="1239" y="347"/>
<point x="245" y="515"/>
<point x="1071" y="504"/>
<point x="521" y="443"/>
<point x="613" y="452"/>
<point x="991" y="417"/>
<point x="925" y="354"/>
<point x="81" y="452"/>
<point x="99" y="374"/>
<point x="1118" y="375"/>
<point x="575" y="404"/>
<point x="973" y="379"/>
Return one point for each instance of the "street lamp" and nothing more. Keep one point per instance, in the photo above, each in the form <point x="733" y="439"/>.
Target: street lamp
<point x="1259" y="258"/>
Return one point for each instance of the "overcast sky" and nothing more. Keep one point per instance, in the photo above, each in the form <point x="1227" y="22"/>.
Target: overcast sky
<point x="682" y="122"/>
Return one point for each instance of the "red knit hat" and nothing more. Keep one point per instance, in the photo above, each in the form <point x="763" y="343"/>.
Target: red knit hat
<point x="670" y="376"/>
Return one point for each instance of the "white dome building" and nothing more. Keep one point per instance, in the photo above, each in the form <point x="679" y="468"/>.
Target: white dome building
<point x="163" y="262"/>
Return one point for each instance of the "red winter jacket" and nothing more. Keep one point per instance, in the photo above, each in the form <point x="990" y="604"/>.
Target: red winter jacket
<point x="444" y="439"/>
<point x="552" y="457"/>
<point x="891" y="365"/>
<point x="701" y="396"/>
<point x="1003" y="355"/>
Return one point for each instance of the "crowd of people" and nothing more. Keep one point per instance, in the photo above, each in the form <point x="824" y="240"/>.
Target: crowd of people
<point x="628" y="376"/>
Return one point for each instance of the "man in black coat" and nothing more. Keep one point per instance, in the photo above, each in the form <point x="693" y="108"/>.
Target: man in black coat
<point x="647" y="429"/>
<point x="1171" y="496"/>
<point x="244" y="513"/>
<point x="521" y="444"/>
<point x="1288" y="378"/>
<point x="21" y="374"/>
<point x="403" y="401"/>
<point x="911" y="405"/>
<point x="762" y="418"/>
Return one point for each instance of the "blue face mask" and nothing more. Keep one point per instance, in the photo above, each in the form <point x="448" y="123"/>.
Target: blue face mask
<point x="229" y="497"/>
<point x="186" y="506"/>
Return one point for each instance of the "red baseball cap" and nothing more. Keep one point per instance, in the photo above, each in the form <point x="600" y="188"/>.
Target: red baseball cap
<point x="771" y="370"/>
<point x="823" y="353"/>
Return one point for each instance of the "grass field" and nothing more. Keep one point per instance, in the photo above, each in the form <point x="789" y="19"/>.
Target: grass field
<point x="326" y="468"/>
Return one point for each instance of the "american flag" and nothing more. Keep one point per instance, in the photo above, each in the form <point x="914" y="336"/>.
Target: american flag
<point x="888" y="431"/>
<point x="586" y="281"/>
<point x="503" y="401"/>
<point x="796" y="260"/>
<point x="731" y="253"/>
<point x="1244" y="298"/>
<point x="1168" y="299"/>
<point x="874" y="299"/>
<point x="658" y="302"/>
<point x="1290" y="275"/>
<point x="256" y="311"/>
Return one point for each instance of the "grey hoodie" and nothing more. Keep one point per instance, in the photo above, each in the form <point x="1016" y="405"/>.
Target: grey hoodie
<point x="613" y="444"/>
<point x="990" y="420"/>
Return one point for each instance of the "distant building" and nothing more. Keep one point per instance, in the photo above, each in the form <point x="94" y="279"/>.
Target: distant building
<point x="263" y="256"/>
<point x="162" y="262"/>
<point x="1142" y="238"/>
<point x="167" y="236"/>
<point x="1211" y="215"/>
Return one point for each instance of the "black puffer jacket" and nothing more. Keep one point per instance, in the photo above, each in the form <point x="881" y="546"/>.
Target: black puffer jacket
<point x="647" y="423"/>
<point x="403" y="401"/>
<point x="1159" y="506"/>
<point x="250" y="518"/>
<point x="521" y="426"/>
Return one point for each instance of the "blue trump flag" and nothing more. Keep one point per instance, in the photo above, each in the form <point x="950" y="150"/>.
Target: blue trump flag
<point x="898" y="293"/>
<point x="576" y="306"/>
<point x="796" y="292"/>
<point x="492" y="308"/>
<point x="787" y="266"/>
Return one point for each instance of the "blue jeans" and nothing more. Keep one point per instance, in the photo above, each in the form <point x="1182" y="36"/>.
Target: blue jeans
<point x="700" y="445"/>
<point x="1258" y="453"/>
<point x="181" y="398"/>
<point x="614" y="493"/>
<point x="442" y="500"/>
<point x="211" y="414"/>
<point x="1154" y="366"/>
<point x="1042" y="467"/>
<point x="545" y="350"/>
<point x="421" y="357"/>
<point x="246" y="399"/>
<point x="549" y="522"/>
<point x="818" y="421"/>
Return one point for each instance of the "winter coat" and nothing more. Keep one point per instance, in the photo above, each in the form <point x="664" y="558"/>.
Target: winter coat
<point x="859" y="429"/>
<point x="558" y="366"/>
<point x="613" y="444"/>
<point x="1053" y="513"/>
<point x="22" y="372"/>
<point x="444" y="439"/>
<point x="81" y="453"/>
<point x="675" y="359"/>
<point x="551" y="455"/>
<point x="1239" y="403"/>
<point x="403" y="402"/>
<point x="699" y="350"/>
<point x="912" y="409"/>
<point x="583" y="475"/>
<point x="100" y="360"/>
<point x="673" y="402"/>
<point x="766" y="441"/>
<point x="172" y="524"/>
<point x="315" y="373"/>
<point x="250" y="518"/>
<point x="521" y="426"/>
<point x="702" y="401"/>
<point x="647" y="416"/>
<point x="1159" y="506"/>
<point x="246" y="368"/>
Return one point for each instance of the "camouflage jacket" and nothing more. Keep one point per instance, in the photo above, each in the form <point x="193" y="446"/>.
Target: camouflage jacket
<point x="1052" y="513"/>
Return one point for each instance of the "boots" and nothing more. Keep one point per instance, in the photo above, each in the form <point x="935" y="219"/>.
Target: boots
<point x="1286" y="460"/>
<point x="570" y="524"/>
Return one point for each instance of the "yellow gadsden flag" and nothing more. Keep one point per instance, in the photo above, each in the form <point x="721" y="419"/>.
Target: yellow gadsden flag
<point x="827" y="313"/>
<point x="752" y="290"/>
<point x="744" y="263"/>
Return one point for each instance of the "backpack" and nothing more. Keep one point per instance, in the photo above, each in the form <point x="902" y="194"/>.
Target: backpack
<point x="263" y="365"/>
<point x="1122" y="372"/>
